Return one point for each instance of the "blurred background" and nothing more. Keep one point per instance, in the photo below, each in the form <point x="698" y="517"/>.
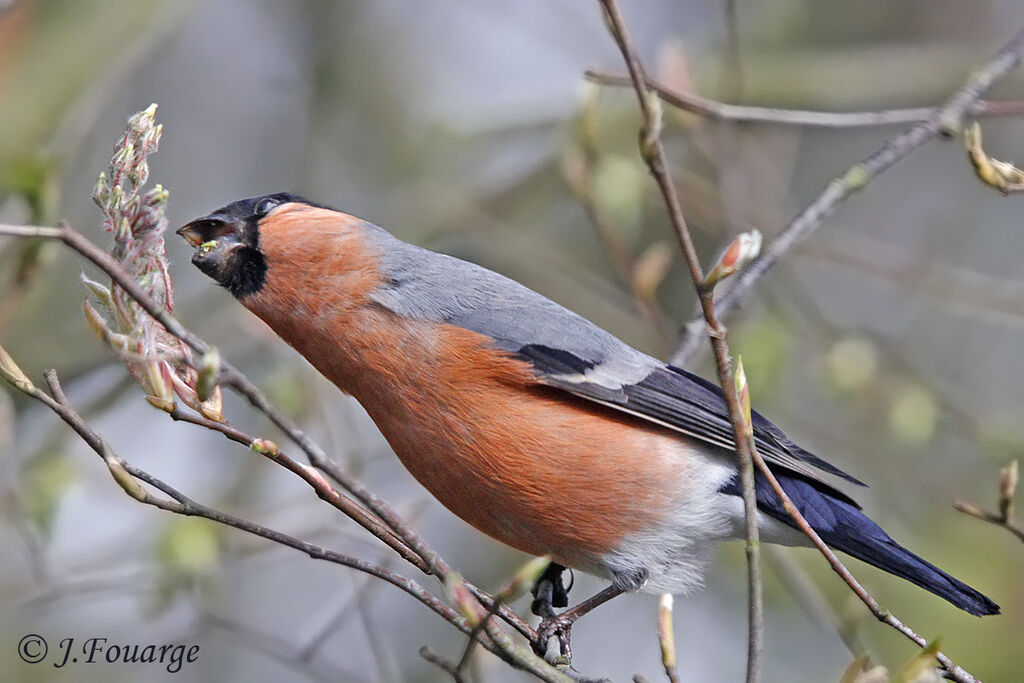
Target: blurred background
<point x="889" y="342"/>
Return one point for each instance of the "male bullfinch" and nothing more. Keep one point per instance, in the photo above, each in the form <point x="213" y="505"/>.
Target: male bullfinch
<point x="529" y="422"/>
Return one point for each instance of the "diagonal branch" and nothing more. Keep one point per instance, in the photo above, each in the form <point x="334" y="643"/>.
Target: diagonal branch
<point x="945" y="120"/>
<point x="128" y="477"/>
<point x="131" y="480"/>
<point x="653" y="153"/>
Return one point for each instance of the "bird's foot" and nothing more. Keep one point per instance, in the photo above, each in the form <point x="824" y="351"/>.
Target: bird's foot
<point x="553" y="641"/>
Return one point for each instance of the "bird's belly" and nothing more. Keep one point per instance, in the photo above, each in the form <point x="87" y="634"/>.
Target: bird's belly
<point x="549" y="474"/>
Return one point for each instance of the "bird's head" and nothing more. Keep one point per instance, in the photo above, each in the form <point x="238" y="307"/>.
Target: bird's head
<point x="227" y="241"/>
<point x="286" y="258"/>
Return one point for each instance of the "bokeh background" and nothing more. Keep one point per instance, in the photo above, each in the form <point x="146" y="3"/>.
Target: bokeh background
<point x="889" y="342"/>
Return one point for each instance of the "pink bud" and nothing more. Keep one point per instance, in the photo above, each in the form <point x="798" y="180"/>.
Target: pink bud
<point x="739" y="253"/>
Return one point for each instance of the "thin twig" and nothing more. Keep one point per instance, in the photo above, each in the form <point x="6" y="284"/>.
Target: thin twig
<point x="128" y="477"/>
<point x="945" y="120"/>
<point x="319" y="484"/>
<point x="736" y="113"/>
<point x="440" y="662"/>
<point x="181" y="504"/>
<point x="653" y="153"/>
<point x="1009" y="477"/>
<point x="992" y="517"/>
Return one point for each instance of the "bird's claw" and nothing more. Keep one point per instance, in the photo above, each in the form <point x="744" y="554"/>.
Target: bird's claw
<point x="553" y="640"/>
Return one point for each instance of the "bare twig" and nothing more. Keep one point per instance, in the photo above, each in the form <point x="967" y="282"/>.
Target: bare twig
<point x="993" y="517"/>
<point x="945" y="120"/>
<point x="318" y="483"/>
<point x="440" y="662"/>
<point x="131" y="480"/>
<point x="1008" y="478"/>
<point x="667" y="638"/>
<point x="524" y="578"/>
<point x="721" y="111"/>
<point x="653" y="153"/>
<point x="128" y="477"/>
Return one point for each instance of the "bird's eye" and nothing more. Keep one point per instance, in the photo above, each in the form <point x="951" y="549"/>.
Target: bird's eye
<point x="265" y="206"/>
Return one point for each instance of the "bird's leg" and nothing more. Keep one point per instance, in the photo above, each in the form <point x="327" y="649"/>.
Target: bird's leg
<point x="553" y="633"/>
<point x="549" y="592"/>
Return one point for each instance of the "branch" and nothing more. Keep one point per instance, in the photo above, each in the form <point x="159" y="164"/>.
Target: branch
<point x="314" y="479"/>
<point x="993" y="517"/>
<point x="945" y="120"/>
<point x="131" y="478"/>
<point x="1008" y="477"/>
<point x="736" y="113"/>
<point x="653" y="153"/>
<point x="230" y="376"/>
<point x="128" y="477"/>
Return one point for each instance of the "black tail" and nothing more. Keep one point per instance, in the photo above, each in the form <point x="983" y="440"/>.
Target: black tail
<point x="844" y="527"/>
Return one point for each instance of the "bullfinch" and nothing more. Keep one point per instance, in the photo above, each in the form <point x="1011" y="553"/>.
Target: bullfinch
<point x="534" y="425"/>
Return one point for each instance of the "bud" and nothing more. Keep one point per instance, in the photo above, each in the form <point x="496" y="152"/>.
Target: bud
<point x="12" y="373"/>
<point x="212" y="408"/>
<point x="156" y="197"/>
<point x="101" y="190"/>
<point x="98" y="324"/>
<point x="316" y="475"/>
<point x="739" y="253"/>
<point x="155" y="384"/>
<point x="523" y="579"/>
<point x="459" y="594"/>
<point x="124" y="479"/>
<point x="650" y="131"/>
<point x="922" y="667"/>
<point x="99" y="291"/>
<point x="114" y="201"/>
<point x="666" y="632"/>
<point x="264" y="447"/>
<point x="209" y="371"/>
<point x="123" y="156"/>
